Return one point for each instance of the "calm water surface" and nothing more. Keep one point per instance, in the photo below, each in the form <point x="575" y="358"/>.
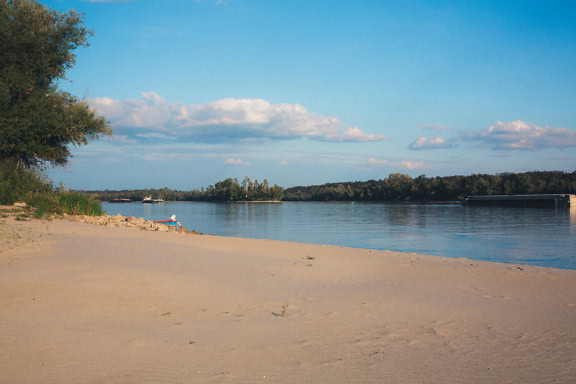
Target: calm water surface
<point x="544" y="237"/>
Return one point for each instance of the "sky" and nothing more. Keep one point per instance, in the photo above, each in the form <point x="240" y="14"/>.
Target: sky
<point x="316" y="91"/>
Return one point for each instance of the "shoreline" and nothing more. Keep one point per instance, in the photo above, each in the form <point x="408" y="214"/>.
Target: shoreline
<point x="150" y="225"/>
<point x="91" y="303"/>
<point x="305" y="201"/>
<point x="460" y="239"/>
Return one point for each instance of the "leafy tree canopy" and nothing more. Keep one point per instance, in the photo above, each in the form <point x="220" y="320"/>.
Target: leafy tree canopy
<point x="37" y="121"/>
<point x="398" y="187"/>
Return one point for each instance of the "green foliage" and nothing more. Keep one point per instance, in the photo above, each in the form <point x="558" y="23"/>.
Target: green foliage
<point x="226" y="190"/>
<point x="72" y="203"/>
<point x="248" y="190"/>
<point x="44" y="203"/>
<point x="37" y="121"/>
<point x="29" y="186"/>
<point x="398" y="187"/>
<point x="16" y="182"/>
<point x="75" y="203"/>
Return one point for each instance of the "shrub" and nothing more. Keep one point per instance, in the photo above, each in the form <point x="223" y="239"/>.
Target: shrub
<point x="45" y="203"/>
<point x="20" y="184"/>
<point x="16" y="182"/>
<point x="72" y="203"/>
<point x="75" y="203"/>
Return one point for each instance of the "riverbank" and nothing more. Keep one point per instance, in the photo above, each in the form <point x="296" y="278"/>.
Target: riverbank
<point x="87" y="303"/>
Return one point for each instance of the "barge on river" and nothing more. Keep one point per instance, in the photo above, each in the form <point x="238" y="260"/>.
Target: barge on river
<point x="559" y="200"/>
<point x="120" y="201"/>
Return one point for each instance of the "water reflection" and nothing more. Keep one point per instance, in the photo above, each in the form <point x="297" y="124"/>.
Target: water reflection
<point x="400" y="215"/>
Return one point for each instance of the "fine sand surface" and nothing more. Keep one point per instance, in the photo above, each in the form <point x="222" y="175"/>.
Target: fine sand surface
<point x="81" y="303"/>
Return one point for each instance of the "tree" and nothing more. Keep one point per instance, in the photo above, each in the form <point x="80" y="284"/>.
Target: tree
<point x="400" y="186"/>
<point x="38" y="122"/>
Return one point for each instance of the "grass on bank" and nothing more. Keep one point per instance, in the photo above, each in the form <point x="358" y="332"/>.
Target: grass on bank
<point x="18" y="184"/>
<point x="59" y="202"/>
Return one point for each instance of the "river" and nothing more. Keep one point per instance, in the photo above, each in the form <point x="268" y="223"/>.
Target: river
<point x="543" y="237"/>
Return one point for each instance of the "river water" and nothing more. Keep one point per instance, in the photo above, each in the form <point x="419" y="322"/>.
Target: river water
<point x="543" y="237"/>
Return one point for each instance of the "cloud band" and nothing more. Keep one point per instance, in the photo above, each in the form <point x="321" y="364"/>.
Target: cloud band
<point x="222" y="120"/>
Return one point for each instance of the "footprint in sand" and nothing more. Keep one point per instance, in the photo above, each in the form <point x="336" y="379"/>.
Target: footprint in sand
<point x="495" y="297"/>
<point x="306" y="343"/>
<point x="332" y="362"/>
<point x="221" y="375"/>
<point x="472" y="289"/>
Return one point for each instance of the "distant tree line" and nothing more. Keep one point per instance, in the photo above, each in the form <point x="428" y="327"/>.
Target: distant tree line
<point x="396" y="187"/>
<point x="223" y="191"/>
<point x="399" y="187"/>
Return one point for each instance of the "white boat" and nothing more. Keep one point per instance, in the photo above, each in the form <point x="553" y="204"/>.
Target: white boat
<point x="150" y="200"/>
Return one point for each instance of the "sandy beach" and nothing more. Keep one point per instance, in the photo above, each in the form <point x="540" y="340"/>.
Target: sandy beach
<point x="82" y="303"/>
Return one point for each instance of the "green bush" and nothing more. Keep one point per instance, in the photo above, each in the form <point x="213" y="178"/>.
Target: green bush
<point x="75" y="203"/>
<point x="16" y="182"/>
<point x="72" y="203"/>
<point x="45" y="203"/>
<point x="20" y="184"/>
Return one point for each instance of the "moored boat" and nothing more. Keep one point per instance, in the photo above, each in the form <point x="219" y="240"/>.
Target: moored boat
<point x="172" y="221"/>
<point x="150" y="200"/>
<point x="120" y="201"/>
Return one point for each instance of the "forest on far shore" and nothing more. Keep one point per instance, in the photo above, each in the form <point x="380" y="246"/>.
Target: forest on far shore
<point x="396" y="187"/>
<point x="399" y="187"/>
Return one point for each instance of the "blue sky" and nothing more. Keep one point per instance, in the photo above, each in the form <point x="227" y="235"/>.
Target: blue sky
<point x="308" y="92"/>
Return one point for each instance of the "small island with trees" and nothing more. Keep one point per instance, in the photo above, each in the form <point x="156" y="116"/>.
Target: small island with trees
<point x="228" y="190"/>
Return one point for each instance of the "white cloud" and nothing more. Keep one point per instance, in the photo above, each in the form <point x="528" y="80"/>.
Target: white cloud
<point x="373" y="161"/>
<point x="119" y="139"/>
<point x="153" y="135"/>
<point x="232" y="161"/>
<point x="432" y="143"/>
<point x="402" y="164"/>
<point x="520" y="135"/>
<point x="407" y="164"/>
<point x="354" y="134"/>
<point x="223" y="120"/>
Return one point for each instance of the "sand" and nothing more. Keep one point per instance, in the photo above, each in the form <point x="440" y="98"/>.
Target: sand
<point x="81" y="303"/>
